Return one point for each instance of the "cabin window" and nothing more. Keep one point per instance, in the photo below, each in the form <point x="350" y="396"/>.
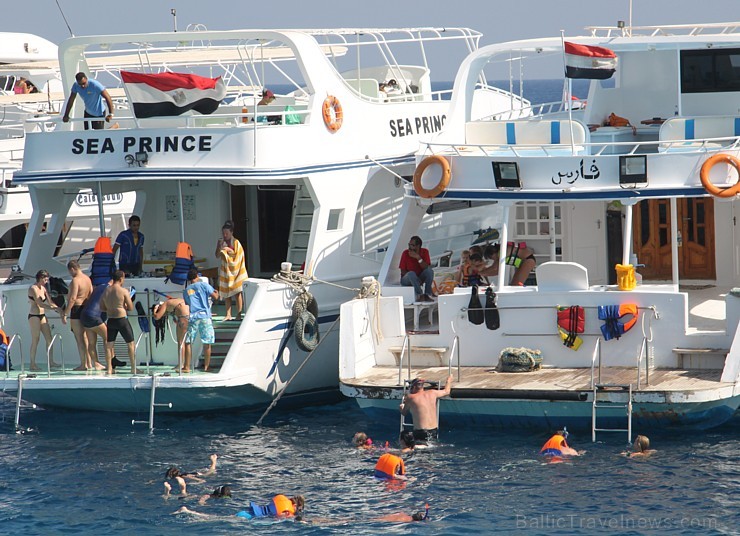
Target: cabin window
<point x="710" y="70"/>
<point x="336" y="215"/>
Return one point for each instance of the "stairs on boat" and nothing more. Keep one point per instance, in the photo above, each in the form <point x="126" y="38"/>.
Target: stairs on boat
<point x="701" y="358"/>
<point x="300" y="227"/>
<point x="225" y="331"/>
<point x="609" y="396"/>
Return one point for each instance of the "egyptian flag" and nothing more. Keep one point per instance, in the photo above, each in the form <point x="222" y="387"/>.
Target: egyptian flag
<point x="594" y="63"/>
<point x="164" y="94"/>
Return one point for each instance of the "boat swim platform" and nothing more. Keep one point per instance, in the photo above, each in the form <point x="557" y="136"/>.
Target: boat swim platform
<point x="547" y="379"/>
<point x="142" y="371"/>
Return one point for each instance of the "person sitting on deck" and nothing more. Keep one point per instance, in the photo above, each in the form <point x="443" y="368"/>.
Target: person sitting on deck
<point x="520" y="257"/>
<point x="416" y="269"/>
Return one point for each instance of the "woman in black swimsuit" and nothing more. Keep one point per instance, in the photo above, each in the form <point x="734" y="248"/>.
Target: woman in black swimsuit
<point x="39" y="298"/>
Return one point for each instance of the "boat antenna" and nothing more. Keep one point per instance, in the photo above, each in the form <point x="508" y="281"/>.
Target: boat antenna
<point x="65" y="19"/>
<point x="173" y="12"/>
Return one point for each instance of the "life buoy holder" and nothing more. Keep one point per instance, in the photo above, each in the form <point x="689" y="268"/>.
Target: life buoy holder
<point x="333" y="114"/>
<point x="706" y="167"/>
<point x="444" y="180"/>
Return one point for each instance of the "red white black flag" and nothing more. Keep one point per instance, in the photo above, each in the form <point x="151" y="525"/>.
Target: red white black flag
<point x="163" y="94"/>
<point x="584" y="61"/>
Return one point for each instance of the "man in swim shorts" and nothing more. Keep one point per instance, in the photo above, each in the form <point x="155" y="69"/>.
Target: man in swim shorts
<point x="423" y="407"/>
<point x="91" y="317"/>
<point x="196" y="297"/>
<point x="117" y="302"/>
<point x="80" y="289"/>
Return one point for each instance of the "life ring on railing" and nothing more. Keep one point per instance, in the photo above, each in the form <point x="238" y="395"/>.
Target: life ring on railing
<point x="716" y="191"/>
<point x="306" y="329"/>
<point x="444" y="180"/>
<point x="333" y="115"/>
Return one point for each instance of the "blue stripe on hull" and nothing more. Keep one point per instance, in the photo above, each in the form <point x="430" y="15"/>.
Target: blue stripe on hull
<point x="553" y="415"/>
<point x="184" y="400"/>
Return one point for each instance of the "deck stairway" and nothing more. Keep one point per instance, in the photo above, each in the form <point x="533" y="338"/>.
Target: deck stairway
<point x="607" y="397"/>
<point x="225" y="331"/>
<point x="300" y="226"/>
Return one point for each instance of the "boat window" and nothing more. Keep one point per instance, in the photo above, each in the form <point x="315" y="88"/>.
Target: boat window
<point x="711" y="70"/>
<point x="336" y="215"/>
<point x="644" y="217"/>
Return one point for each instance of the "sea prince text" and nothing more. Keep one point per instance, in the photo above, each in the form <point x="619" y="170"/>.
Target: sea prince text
<point x="149" y="144"/>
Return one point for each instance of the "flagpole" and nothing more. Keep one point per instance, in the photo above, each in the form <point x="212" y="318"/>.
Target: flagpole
<point x="569" y="96"/>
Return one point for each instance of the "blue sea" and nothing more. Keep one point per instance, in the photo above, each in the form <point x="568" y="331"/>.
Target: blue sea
<point x="93" y="473"/>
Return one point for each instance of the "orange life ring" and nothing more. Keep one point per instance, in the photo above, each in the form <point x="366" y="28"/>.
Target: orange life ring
<point x="444" y="180"/>
<point x="732" y="191"/>
<point x="333" y="115"/>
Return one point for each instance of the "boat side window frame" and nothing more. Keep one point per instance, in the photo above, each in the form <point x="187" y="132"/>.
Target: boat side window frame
<point x="720" y="70"/>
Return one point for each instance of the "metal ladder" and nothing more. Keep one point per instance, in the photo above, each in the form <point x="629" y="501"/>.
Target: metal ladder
<point x="599" y="403"/>
<point x="19" y="400"/>
<point x="152" y="404"/>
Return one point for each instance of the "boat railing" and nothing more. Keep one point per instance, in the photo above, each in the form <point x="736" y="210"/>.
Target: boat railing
<point x="405" y="349"/>
<point x="56" y="339"/>
<point x="138" y="341"/>
<point x="592" y="148"/>
<point x="15" y="338"/>
<point x="241" y="119"/>
<point x="455" y="352"/>
<point x="544" y="109"/>
<point x="720" y="28"/>
<point x="596" y="356"/>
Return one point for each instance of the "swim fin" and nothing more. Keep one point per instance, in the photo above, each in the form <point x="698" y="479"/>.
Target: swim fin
<point x="493" y="321"/>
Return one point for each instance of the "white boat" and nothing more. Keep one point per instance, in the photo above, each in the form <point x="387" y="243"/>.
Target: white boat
<point x="323" y="193"/>
<point x="35" y="59"/>
<point x="584" y="197"/>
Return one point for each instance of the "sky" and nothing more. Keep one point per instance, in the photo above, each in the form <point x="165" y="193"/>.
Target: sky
<point x="498" y="20"/>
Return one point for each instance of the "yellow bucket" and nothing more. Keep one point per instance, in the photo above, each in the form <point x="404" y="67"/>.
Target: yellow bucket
<point x="625" y="276"/>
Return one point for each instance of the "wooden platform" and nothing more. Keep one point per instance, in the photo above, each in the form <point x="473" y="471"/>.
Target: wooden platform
<point x="546" y="379"/>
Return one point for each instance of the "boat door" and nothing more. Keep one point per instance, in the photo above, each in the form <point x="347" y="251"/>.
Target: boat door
<point x="652" y="235"/>
<point x="267" y="223"/>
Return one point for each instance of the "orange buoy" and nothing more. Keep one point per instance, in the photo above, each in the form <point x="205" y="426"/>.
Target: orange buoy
<point x="333" y="115"/>
<point x="706" y="167"/>
<point x="444" y="180"/>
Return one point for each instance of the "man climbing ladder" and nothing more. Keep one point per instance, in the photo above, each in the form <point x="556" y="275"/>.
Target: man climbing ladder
<point x="423" y="407"/>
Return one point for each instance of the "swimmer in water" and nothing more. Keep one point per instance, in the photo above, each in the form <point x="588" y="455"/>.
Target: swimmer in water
<point x="218" y="492"/>
<point x="174" y="473"/>
<point x="362" y="442"/>
<point x="640" y="448"/>
<point x="279" y="507"/>
<point x="557" y="446"/>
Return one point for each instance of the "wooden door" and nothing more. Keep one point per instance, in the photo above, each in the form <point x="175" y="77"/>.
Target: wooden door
<point x="652" y="238"/>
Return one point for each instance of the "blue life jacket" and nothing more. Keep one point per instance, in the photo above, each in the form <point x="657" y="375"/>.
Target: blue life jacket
<point x="103" y="263"/>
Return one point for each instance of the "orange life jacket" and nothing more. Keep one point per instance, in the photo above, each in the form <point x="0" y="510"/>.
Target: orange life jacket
<point x="388" y="466"/>
<point x="283" y="506"/>
<point x="553" y="446"/>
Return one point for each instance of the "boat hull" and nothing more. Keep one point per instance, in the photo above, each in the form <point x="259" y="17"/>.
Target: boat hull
<point x="552" y="414"/>
<point x="183" y="396"/>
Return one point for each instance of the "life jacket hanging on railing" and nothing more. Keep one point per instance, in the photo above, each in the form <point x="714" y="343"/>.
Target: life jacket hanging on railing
<point x="103" y="262"/>
<point x="612" y="315"/>
<point x="183" y="263"/>
<point x="571" y="321"/>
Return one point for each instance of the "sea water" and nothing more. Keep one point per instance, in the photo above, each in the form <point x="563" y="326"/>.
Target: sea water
<point x="93" y="473"/>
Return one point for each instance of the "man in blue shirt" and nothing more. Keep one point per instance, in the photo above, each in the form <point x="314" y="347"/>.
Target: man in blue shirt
<point x="196" y="295"/>
<point x="131" y="244"/>
<point x="92" y="93"/>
